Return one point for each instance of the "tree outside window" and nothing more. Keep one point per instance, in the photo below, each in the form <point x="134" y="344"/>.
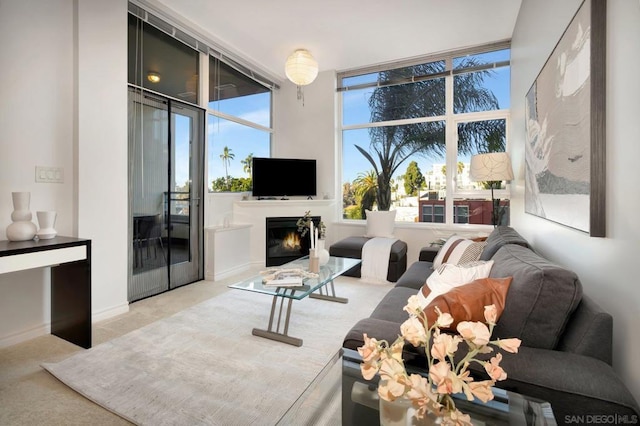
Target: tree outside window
<point x="396" y="124"/>
<point x="238" y="127"/>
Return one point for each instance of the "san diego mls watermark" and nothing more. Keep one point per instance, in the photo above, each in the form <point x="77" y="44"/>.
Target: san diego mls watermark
<point x="601" y="419"/>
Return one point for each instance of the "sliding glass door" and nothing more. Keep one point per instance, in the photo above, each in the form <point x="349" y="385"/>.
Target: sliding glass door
<point x="166" y="151"/>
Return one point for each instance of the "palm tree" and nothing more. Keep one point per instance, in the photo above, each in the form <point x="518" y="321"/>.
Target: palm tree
<point x="247" y="163"/>
<point x="365" y="187"/>
<point x="390" y="146"/>
<point x="226" y="158"/>
<point x="460" y="168"/>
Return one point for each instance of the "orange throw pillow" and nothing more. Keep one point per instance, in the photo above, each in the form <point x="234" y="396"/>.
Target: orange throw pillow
<point x="467" y="302"/>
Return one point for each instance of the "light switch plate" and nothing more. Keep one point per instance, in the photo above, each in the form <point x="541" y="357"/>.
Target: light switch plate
<point x="46" y="174"/>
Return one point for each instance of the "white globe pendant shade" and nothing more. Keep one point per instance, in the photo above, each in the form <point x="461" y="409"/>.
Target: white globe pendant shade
<point x="301" y="68"/>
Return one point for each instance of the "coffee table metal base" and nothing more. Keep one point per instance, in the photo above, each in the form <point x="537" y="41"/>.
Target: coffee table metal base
<point x="323" y="293"/>
<point x="273" y="331"/>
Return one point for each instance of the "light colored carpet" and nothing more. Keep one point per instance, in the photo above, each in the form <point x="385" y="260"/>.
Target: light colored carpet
<point x="203" y="365"/>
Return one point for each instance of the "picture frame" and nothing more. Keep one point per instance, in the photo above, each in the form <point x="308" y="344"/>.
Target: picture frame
<point x="565" y="114"/>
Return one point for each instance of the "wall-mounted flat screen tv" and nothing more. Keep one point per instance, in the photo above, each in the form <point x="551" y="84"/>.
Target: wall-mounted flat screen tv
<point x="283" y="177"/>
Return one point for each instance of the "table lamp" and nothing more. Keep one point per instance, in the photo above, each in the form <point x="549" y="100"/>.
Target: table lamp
<point x="493" y="168"/>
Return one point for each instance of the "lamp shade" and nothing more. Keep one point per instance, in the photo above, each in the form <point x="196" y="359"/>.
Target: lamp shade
<point x="493" y="166"/>
<point x="301" y="68"/>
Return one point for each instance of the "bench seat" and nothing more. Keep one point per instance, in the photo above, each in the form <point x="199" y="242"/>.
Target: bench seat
<point x="351" y="247"/>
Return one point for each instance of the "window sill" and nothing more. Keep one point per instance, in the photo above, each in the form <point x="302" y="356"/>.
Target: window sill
<point x="440" y="227"/>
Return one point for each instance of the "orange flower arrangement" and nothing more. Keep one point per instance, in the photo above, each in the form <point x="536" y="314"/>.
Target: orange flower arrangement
<point x="433" y="394"/>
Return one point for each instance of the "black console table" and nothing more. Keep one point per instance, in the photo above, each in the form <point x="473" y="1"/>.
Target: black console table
<point x="70" y="262"/>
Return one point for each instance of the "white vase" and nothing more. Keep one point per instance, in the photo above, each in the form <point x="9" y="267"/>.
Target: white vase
<point x="396" y="413"/>
<point x="47" y="221"/>
<point x="401" y="413"/>
<point x="322" y="253"/>
<point x="22" y="229"/>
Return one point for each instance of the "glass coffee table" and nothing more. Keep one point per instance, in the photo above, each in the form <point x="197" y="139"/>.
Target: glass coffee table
<point x="360" y="402"/>
<point x="321" y="287"/>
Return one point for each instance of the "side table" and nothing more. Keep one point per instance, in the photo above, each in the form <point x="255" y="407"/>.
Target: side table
<point x="70" y="262"/>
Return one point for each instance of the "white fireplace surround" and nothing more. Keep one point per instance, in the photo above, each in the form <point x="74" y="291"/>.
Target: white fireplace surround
<point x="254" y="213"/>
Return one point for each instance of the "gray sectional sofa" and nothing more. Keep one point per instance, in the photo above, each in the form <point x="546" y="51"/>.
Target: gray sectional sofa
<point x="566" y="351"/>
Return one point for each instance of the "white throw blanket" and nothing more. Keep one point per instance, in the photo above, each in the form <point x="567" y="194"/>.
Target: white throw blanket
<point x="375" y="259"/>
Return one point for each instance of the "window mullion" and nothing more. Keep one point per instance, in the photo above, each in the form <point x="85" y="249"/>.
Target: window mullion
<point x="452" y="145"/>
<point x="238" y="120"/>
<point x="394" y="122"/>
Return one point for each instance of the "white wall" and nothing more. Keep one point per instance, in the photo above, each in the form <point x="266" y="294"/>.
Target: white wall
<point x="606" y="266"/>
<point x="308" y="131"/>
<point x="53" y="115"/>
<point x="102" y="149"/>
<point x="36" y="129"/>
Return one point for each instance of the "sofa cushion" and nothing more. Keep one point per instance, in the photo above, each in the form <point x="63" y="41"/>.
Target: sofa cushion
<point x="459" y="250"/>
<point x="467" y="302"/>
<point x="380" y="223"/>
<point x="589" y="332"/>
<point x="541" y="298"/>
<point x="576" y="385"/>
<point x="374" y="328"/>
<point x="415" y="275"/>
<point x="449" y="276"/>
<point x="500" y="236"/>
<point x="391" y="307"/>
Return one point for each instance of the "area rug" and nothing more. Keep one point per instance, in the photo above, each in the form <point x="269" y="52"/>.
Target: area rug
<point x="203" y="365"/>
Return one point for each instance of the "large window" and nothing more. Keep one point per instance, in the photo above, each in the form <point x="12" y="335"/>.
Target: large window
<point x="410" y="130"/>
<point x="238" y="127"/>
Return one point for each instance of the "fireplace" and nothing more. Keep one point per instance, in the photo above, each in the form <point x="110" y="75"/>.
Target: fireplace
<point x="283" y="241"/>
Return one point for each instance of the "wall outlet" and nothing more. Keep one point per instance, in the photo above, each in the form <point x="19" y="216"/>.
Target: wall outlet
<point x="45" y="174"/>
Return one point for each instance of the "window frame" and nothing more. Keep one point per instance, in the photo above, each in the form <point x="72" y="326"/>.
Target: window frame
<point x="451" y="130"/>
<point x="209" y="111"/>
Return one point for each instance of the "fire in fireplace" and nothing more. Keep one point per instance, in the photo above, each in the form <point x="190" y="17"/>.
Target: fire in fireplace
<point x="283" y="241"/>
<point x="292" y="242"/>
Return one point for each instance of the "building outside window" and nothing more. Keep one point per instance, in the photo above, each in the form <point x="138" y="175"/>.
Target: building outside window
<point x="409" y="131"/>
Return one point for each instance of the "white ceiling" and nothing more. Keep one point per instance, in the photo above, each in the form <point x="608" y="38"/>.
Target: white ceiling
<point x="344" y="34"/>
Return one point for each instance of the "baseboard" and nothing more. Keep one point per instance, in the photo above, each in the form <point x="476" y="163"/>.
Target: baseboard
<point x="44" y="329"/>
<point x="24" y="335"/>
<point x="109" y="312"/>
<point x="227" y="273"/>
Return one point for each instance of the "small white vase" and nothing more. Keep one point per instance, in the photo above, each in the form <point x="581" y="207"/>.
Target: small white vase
<point x="22" y="229"/>
<point x="401" y="412"/>
<point x="46" y="220"/>
<point x="21" y="201"/>
<point x="396" y="413"/>
<point x="322" y="253"/>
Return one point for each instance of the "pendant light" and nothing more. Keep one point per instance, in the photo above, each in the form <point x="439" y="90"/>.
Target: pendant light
<point x="301" y="69"/>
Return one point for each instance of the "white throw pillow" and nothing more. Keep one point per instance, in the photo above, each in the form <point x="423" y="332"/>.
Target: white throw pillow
<point x="449" y="276"/>
<point x="380" y="223"/>
<point x="458" y="250"/>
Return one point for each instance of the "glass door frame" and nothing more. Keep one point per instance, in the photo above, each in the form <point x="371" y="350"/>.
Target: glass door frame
<point x="154" y="280"/>
<point x="181" y="273"/>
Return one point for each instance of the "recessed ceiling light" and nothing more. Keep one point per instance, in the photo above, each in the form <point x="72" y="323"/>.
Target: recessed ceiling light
<point x="153" y="77"/>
